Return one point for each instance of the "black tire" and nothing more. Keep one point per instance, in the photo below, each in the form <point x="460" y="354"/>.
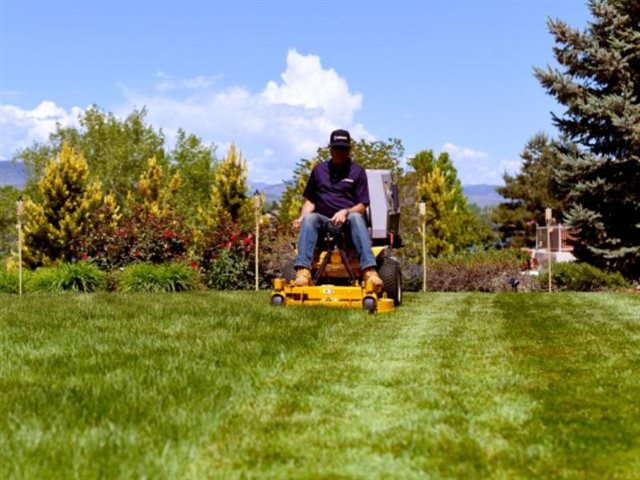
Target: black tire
<point x="369" y="304"/>
<point x="288" y="271"/>
<point x="277" y="300"/>
<point x="391" y="276"/>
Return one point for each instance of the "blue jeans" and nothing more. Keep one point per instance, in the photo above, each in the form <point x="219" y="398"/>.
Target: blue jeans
<point x="314" y="223"/>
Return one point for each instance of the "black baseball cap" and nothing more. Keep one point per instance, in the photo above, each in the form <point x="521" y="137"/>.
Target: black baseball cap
<point x="340" y="139"/>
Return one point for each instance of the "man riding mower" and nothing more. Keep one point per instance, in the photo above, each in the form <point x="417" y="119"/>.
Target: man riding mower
<point x="346" y="208"/>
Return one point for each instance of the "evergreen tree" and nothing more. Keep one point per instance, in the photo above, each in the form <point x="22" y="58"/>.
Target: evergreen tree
<point x="69" y="209"/>
<point x="157" y="197"/>
<point x="434" y="192"/>
<point x="229" y="200"/>
<point x="529" y="192"/>
<point x="599" y="84"/>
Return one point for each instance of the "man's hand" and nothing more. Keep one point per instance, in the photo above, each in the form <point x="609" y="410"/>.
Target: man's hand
<point x="340" y="216"/>
<point x="297" y="222"/>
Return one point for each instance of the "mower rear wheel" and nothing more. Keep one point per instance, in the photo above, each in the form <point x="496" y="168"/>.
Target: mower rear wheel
<point x="391" y="276"/>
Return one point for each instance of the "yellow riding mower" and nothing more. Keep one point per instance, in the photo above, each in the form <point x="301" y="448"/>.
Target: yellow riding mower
<point x="336" y="269"/>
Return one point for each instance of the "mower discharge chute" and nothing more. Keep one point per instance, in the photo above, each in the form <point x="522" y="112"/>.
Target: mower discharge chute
<point x="336" y="269"/>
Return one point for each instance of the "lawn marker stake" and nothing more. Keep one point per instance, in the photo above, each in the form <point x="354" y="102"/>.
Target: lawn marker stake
<point x="422" y="211"/>
<point x="548" y="218"/>
<point x="20" y="215"/>
<point x="257" y="205"/>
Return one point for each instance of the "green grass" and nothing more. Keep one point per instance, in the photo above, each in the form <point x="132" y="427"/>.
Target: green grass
<point x="220" y="385"/>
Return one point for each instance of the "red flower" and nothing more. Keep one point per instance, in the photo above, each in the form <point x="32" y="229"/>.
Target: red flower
<point x="168" y="234"/>
<point x="194" y="265"/>
<point x="247" y="240"/>
<point x="233" y="237"/>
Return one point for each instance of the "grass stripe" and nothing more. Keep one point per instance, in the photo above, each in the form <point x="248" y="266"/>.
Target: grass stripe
<point x="579" y="354"/>
<point x="219" y="385"/>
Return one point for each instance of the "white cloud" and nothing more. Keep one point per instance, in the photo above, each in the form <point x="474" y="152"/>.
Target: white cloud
<point x="462" y="153"/>
<point x="290" y="118"/>
<point x="274" y="127"/>
<point x="476" y="167"/>
<point x="20" y="128"/>
<point x="167" y="84"/>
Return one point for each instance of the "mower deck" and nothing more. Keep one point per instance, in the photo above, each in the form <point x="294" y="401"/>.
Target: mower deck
<point x="357" y="296"/>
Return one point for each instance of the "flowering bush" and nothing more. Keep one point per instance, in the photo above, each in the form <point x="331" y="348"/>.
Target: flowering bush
<point x="225" y="257"/>
<point x="140" y="237"/>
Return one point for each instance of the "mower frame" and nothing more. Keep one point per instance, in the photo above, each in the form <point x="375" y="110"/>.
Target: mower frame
<point x="336" y="272"/>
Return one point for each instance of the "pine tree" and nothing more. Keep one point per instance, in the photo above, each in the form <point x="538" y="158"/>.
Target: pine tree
<point x="599" y="84"/>
<point x="434" y="192"/>
<point x="229" y="200"/>
<point x="529" y="192"/>
<point x="69" y="209"/>
<point x="156" y="197"/>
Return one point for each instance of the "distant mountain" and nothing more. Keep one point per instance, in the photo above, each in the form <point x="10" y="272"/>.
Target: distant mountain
<point x="272" y="191"/>
<point x="12" y="174"/>
<point x="482" y="195"/>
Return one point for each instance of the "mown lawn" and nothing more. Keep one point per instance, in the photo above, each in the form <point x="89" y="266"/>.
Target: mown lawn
<point x="221" y="385"/>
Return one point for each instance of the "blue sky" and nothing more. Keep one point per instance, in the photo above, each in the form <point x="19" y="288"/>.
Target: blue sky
<point x="277" y="76"/>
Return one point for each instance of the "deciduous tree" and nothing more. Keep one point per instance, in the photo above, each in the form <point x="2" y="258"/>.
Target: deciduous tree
<point x="115" y="150"/>
<point x="196" y="163"/>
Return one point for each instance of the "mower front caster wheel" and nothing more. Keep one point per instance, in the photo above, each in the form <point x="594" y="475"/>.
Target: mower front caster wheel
<point x="277" y="300"/>
<point x="369" y="304"/>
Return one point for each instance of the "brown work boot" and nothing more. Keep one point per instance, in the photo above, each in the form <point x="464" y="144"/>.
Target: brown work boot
<point x="303" y="277"/>
<point x="370" y="275"/>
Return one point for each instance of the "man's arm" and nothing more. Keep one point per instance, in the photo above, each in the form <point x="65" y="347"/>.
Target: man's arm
<point x="307" y="208"/>
<point x="341" y="215"/>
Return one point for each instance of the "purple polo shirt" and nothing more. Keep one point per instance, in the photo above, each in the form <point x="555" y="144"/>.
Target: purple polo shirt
<point x="330" y="189"/>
